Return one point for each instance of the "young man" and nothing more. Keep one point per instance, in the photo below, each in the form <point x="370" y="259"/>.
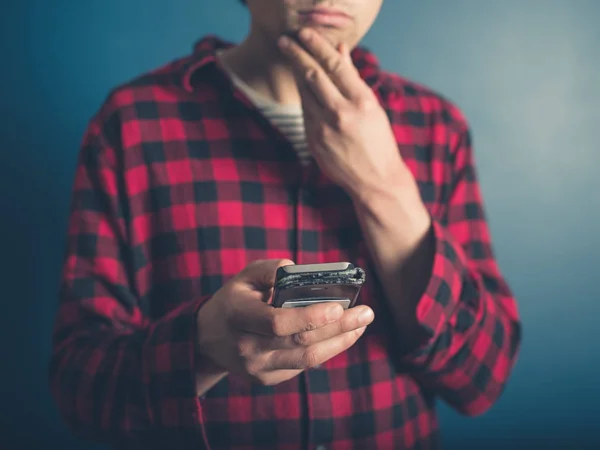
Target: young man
<point x="195" y="182"/>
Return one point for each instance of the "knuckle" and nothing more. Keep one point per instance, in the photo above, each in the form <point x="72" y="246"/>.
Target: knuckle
<point x="301" y="339"/>
<point x="343" y="119"/>
<point x="311" y="75"/>
<point x="363" y="104"/>
<point x="309" y="359"/>
<point x="314" y="319"/>
<point x="310" y="325"/>
<point x="334" y="65"/>
<point x="368" y="103"/>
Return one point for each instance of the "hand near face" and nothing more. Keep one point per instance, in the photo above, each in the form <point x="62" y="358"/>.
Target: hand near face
<point x="348" y="131"/>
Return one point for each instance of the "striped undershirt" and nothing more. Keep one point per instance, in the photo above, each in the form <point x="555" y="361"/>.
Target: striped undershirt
<point x="288" y="119"/>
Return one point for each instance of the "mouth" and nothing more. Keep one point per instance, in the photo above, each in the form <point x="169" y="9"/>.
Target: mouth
<point x="325" y="17"/>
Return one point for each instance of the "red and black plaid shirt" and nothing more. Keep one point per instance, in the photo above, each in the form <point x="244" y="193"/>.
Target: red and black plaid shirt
<point x="180" y="184"/>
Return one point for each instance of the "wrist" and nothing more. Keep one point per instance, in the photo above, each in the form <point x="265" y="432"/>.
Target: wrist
<point x="395" y="209"/>
<point x="401" y="194"/>
<point x="397" y="185"/>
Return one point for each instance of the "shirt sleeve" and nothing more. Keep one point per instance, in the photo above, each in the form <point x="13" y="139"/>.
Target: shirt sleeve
<point x="117" y="376"/>
<point x="468" y="311"/>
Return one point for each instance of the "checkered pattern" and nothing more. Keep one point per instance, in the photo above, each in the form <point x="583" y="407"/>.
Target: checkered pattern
<point x="179" y="185"/>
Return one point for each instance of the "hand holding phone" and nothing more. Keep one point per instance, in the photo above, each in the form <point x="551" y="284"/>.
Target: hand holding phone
<point x="242" y="334"/>
<point x="307" y="284"/>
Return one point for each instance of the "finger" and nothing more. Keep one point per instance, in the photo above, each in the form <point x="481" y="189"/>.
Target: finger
<point x="324" y="90"/>
<point x="312" y="108"/>
<point x="316" y="114"/>
<point x="309" y="72"/>
<point x="343" y="74"/>
<point x="345" y="51"/>
<point x="260" y="274"/>
<point x="273" y="378"/>
<point x="301" y="60"/>
<point x="353" y="319"/>
<point x="304" y="358"/>
<point x="260" y="318"/>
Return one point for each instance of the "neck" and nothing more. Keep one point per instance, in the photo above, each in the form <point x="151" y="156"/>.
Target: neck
<point x="260" y="64"/>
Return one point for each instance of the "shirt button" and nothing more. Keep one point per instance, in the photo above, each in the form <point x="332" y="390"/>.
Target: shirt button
<point x="321" y="447"/>
<point x="318" y="366"/>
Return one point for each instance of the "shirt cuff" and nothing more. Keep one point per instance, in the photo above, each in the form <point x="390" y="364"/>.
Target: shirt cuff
<point x="169" y="370"/>
<point x="443" y="291"/>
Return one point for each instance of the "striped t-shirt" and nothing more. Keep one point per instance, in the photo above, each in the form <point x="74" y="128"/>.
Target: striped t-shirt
<point x="288" y="119"/>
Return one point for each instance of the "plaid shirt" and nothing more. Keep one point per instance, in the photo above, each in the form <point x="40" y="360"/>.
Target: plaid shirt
<point x="180" y="183"/>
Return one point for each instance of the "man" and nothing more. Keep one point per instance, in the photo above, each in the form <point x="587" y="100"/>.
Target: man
<point x="196" y="181"/>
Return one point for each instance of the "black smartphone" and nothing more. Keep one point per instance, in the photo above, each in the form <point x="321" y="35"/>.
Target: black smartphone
<point x="306" y="284"/>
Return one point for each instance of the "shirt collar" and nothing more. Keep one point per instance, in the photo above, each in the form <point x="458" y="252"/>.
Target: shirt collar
<point x="205" y="50"/>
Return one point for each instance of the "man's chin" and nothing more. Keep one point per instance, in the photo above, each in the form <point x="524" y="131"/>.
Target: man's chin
<point x="333" y="35"/>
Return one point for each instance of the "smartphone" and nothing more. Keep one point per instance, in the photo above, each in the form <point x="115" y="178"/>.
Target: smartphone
<point x="302" y="285"/>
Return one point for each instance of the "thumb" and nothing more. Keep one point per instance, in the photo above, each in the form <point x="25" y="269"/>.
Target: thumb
<point x="260" y="275"/>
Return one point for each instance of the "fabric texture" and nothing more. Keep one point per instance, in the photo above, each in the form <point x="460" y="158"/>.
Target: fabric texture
<point x="180" y="183"/>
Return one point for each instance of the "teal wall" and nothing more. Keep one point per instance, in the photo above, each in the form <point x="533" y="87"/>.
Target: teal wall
<point x="526" y="73"/>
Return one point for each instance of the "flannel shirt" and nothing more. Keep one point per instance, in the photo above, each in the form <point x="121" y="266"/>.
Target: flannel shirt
<point x="180" y="183"/>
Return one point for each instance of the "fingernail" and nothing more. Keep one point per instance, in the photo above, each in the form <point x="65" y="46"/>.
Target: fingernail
<point x="334" y="312"/>
<point x="366" y="316"/>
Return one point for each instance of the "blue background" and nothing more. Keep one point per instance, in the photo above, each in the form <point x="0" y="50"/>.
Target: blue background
<point x="526" y="73"/>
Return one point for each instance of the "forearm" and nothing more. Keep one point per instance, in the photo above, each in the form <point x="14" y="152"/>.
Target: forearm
<point x="455" y="318"/>
<point x="85" y="371"/>
<point x="118" y="375"/>
<point x="116" y="384"/>
<point x="397" y="230"/>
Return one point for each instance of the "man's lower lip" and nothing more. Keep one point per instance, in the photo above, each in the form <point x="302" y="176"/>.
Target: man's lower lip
<point x="321" y="18"/>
